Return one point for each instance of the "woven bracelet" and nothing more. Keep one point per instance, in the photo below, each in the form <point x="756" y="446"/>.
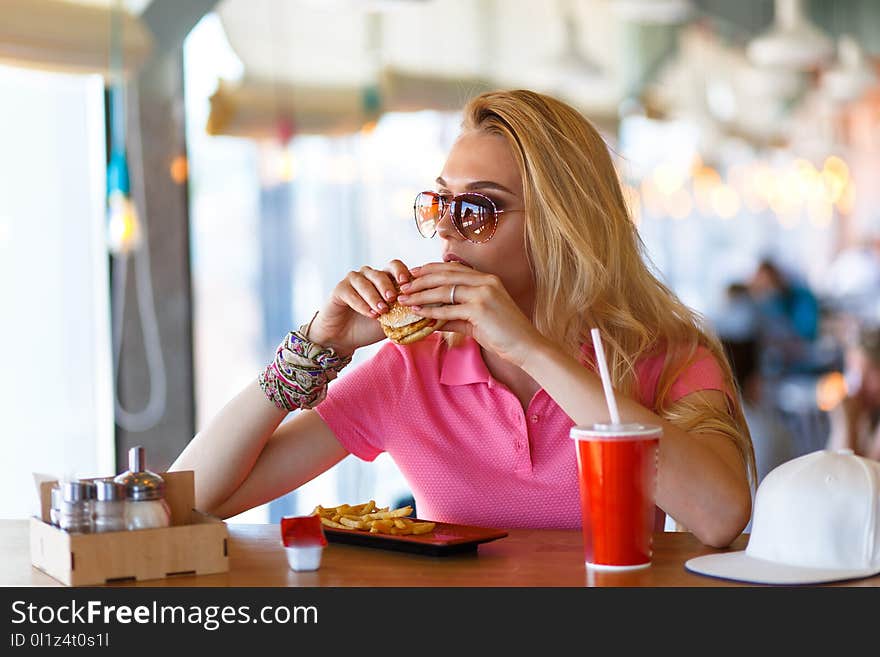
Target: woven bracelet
<point x="298" y="375"/>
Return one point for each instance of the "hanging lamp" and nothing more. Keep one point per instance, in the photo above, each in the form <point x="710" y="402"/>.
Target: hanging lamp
<point x="793" y="42"/>
<point x="851" y="76"/>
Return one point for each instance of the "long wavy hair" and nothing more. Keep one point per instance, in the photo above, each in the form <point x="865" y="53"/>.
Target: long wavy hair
<point x="588" y="264"/>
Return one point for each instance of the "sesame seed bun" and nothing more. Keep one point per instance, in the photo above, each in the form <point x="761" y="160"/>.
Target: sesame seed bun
<point x="403" y="326"/>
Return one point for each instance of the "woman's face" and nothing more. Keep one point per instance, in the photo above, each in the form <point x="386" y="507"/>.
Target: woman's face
<point x="483" y="162"/>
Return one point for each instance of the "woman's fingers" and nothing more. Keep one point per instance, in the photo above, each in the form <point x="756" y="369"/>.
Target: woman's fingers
<point x="351" y="297"/>
<point x="440" y="312"/>
<point x="384" y="284"/>
<point x="438" y="273"/>
<point x="364" y="288"/>
<point x="440" y="294"/>
<point x="437" y="287"/>
<point x="370" y="291"/>
<point x="399" y="271"/>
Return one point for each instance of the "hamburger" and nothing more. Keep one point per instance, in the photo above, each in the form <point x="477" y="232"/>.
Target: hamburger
<point x="403" y="326"/>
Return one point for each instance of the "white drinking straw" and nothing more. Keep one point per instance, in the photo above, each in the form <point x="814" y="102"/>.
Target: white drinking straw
<point x="606" y="378"/>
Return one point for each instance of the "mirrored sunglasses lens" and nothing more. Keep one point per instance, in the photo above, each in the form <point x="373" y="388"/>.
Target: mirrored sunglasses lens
<point x="427" y="214"/>
<point x="475" y="218"/>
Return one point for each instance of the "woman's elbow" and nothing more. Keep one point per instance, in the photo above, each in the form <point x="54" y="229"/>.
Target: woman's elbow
<point x="725" y="525"/>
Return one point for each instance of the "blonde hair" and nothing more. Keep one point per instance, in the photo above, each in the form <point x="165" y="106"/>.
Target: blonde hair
<point x="587" y="259"/>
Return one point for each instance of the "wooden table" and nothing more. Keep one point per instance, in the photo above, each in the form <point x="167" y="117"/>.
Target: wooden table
<point x="526" y="558"/>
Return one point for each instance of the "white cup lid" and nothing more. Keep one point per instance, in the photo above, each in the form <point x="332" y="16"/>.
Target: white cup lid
<point x="614" y="431"/>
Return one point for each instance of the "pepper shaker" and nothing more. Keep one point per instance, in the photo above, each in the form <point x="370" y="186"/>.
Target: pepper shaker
<point x="75" y="510"/>
<point x="109" y="506"/>
<point x="145" y="504"/>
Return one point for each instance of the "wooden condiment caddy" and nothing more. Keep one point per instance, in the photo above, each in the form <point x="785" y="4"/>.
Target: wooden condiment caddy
<point x="196" y="543"/>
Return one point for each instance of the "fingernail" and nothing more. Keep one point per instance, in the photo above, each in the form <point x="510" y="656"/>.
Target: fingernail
<point x="414" y="270"/>
<point x="402" y="278"/>
<point x="404" y="288"/>
<point x="403" y="297"/>
<point x="382" y="306"/>
<point x="389" y="294"/>
<point x="416" y="307"/>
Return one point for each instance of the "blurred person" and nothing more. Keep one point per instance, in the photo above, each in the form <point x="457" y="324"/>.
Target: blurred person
<point x="852" y="281"/>
<point x="737" y="320"/>
<point x="855" y="421"/>
<point x="789" y="319"/>
<point x="772" y="441"/>
<point x="537" y="248"/>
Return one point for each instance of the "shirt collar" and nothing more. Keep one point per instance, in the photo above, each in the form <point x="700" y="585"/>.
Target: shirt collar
<point x="464" y="364"/>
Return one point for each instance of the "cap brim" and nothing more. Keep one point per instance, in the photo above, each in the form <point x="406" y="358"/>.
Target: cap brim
<point x="741" y="567"/>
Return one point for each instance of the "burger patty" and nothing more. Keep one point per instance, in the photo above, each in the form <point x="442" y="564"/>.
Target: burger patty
<point x="403" y="331"/>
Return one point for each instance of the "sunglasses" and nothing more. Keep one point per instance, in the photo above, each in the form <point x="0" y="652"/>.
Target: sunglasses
<point x="474" y="216"/>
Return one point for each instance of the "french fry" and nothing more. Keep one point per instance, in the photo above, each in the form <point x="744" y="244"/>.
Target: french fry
<point x="382" y="525"/>
<point x="330" y="523"/>
<point x="397" y="513"/>
<point x="360" y="509"/>
<point x="353" y="524"/>
<point x="370" y="518"/>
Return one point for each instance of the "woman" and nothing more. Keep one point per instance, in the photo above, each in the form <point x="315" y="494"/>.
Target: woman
<point x="537" y="249"/>
<point x="855" y="421"/>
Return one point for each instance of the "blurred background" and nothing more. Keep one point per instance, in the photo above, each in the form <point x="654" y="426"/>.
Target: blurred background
<point x="184" y="181"/>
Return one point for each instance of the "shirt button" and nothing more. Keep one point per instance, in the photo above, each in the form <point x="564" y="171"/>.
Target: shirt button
<point x="534" y="418"/>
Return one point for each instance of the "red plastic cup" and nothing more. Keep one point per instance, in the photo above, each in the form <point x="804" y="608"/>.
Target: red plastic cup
<point x="617" y="472"/>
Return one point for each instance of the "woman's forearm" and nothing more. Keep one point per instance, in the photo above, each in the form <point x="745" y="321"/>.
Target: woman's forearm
<point x="702" y="481"/>
<point x="224" y="453"/>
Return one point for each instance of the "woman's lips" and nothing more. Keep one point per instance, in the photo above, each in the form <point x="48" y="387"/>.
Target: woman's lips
<point x="450" y="257"/>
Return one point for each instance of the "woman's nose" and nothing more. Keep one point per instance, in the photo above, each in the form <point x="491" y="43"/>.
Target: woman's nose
<point x="445" y="227"/>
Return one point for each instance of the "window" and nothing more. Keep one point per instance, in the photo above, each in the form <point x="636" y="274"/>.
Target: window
<point x="274" y="229"/>
<point x="56" y="396"/>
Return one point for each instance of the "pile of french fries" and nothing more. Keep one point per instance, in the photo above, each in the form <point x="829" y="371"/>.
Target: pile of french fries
<point x="367" y="517"/>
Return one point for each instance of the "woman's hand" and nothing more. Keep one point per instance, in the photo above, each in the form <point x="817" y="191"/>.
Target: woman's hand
<point x="483" y="308"/>
<point x="348" y="319"/>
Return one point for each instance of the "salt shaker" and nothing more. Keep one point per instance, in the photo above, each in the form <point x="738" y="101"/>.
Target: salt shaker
<point x="109" y="506"/>
<point x="145" y="505"/>
<point x="75" y="510"/>
<point x="55" y="505"/>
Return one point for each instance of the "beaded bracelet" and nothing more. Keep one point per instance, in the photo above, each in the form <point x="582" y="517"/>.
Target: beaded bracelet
<point x="298" y="375"/>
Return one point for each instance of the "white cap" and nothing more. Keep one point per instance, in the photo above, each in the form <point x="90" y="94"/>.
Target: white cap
<point x="817" y="519"/>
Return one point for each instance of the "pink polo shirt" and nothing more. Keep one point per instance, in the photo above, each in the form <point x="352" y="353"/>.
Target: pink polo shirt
<point x="461" y="439"/>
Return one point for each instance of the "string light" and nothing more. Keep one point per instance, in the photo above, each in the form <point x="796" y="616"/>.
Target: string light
<point x="831" y="389"/>
<point x="179" y="169"/>
<point x="790" y="192"/>
<point x="123" y="224"/>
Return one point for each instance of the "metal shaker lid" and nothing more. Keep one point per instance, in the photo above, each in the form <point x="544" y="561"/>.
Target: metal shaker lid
<point x="140" y="483"/>
<point x="108" y="490"/>
<point x="77" y="491"/>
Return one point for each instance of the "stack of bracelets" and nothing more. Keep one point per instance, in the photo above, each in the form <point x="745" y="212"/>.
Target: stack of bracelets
<point x="298" y="375"/>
